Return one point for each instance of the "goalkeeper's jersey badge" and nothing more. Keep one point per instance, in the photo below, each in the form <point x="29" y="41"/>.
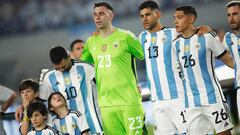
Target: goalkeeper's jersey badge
<point x="104" y="47"/>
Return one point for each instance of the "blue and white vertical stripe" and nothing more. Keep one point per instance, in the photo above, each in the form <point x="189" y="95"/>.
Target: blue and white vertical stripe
<point x="76" y="87"/>
<point x="232" y="41"/>
<point x="162" y="77"/>
<point x="197" y="57"/>
<point x="73" y="124"/>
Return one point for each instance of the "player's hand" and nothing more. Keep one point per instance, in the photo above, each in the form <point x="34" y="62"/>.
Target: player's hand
<point x="18" y="113"/>
<point x="139" y="90"/>
<point x="43" y="72"/>
<point x="25" y="102"/>
<point x="203" y="30"/>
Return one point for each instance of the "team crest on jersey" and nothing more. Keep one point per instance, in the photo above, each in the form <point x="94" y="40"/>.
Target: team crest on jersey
<point x="63" y="128"/>
<point x="67" y="80"/>
<point x="198" y="46"/>
<point x="153" y="40"/>
<point x="164" y="38"/>
<point x="116" y="44"/>
<point x="186" y="48"/>
<point x="104" y="47"/>
<point x="74" y="126"/>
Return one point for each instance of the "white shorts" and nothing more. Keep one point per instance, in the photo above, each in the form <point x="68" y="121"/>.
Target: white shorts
<point x="169" y="117"/>
<point x="203" y="120"/>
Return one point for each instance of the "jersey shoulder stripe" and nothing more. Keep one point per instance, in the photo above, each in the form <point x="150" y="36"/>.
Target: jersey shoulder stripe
<point x="77" y="113"/>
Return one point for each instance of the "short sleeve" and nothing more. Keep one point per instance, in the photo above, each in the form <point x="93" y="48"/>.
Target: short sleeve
<point x="82" y="122"/>
<point x="45" y="89"/>
<point x="216" y="46"/>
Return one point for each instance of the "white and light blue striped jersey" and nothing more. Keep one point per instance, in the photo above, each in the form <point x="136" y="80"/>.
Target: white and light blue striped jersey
<point x="73" y="124"/>
<point x="76" y="87"/>
<point x="232" y="41"/>
<point x="162" y="76"/>
<point x="46" y="131"/>
<point x="196" y="55"/>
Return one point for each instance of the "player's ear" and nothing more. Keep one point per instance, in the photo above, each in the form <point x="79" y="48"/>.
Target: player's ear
<point x="158" y="13"/>
<point x="191" y="19"/>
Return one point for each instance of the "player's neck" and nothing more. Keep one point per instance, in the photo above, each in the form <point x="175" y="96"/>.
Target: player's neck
<point x="62" y="111"/>
<point x="157" y="28"/>
<point x="106" y="32"/>
<point x="237" y="32"/>
<point x="41" y="127"/>
<point x="188" y="32"/>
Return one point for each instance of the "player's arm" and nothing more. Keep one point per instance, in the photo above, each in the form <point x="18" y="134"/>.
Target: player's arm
<point x="134" y="46"/>
<point x="86" y="55"/>
<point x="9" y="100"/>
<point x="227" y="59"/>
<point x="220" y="50"/>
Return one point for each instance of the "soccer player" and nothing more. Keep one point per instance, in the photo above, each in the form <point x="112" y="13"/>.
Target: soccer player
<point x="67" y="121"/>
<point x="232" y="41"/>
<point x="37" y="112"/>
<point x="7" y="97"/>
<point x="74" y="80"/>
<point x="112" y="51"/>
<point x="76" y="49"/>
<point x="205" y="103"/>
<point x="167" y="93"/>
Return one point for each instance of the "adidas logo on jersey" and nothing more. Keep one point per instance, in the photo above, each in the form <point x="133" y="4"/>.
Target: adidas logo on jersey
<point x="57" y="83"/>
<point x="226" y="124"/>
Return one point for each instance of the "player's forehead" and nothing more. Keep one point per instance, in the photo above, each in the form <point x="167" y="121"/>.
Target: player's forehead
<point x="178" y="13"/>
<point x="146" y="10"/>
<point x="101" y="9"/>
<point x="78" y="45"/>
<point x="233" y="9"/>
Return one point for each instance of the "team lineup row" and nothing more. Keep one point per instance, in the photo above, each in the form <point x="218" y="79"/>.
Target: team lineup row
<point x="186" y="95"/>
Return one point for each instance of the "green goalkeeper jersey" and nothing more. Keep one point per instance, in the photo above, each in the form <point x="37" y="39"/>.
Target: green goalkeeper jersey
<point x="113" y="59"/>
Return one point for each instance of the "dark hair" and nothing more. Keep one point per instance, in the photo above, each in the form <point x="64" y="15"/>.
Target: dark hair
<point x="74" y="42"/>
<point x="188" y="10"/>
<point x="36" y="106"/>
<point x="57" y="54"/>
<point x="149" y="4"/>
<point x="50" y="98"/>
<point x="29" y="83"/>
<point x="233" y="3"/>
<point x="105" y="4"/>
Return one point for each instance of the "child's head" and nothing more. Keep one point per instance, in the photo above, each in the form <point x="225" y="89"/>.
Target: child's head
<point x="37" y="112"/>
<point x="56" y="100"/>
<point x="29" y="89"/>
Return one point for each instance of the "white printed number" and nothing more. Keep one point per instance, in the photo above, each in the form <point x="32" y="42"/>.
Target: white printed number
<point x="104" y="61"/>
<point x="135" y="123"/>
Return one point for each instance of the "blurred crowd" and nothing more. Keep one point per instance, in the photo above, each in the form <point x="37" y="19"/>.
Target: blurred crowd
<point x="17" y="16"/>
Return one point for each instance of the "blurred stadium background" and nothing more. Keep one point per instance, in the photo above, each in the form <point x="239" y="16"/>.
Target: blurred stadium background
<point x="28" y="29"/>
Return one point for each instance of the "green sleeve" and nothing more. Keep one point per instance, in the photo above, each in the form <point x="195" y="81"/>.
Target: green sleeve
<point x="86" y="55"/>
<point x="134" y="46"/>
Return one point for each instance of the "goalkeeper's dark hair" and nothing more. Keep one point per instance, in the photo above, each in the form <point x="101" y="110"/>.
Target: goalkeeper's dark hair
<point x="104" y="4"/>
